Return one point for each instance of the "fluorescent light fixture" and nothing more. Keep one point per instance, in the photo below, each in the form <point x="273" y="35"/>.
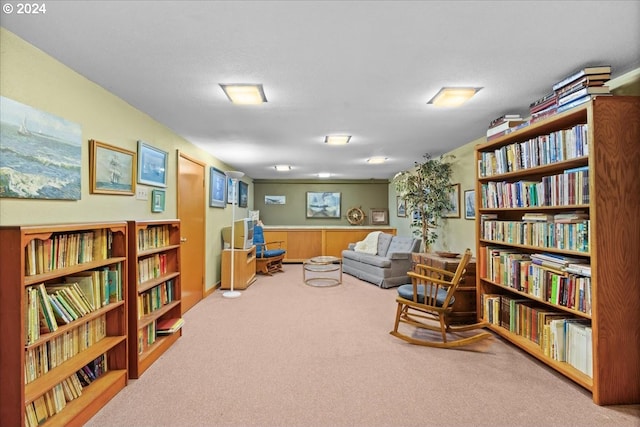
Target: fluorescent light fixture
<point x="245" y="94"/>
<point x="376" y="160"/>
<point x="453" y="96"/>
<point x="283" y="168"/>
<point x="337" y="139"/>
<point x="324" y="175"/>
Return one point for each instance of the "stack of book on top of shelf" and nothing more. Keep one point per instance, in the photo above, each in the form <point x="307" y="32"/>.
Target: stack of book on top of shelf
<point x="581" y="86"/>
<point x="505" y="124"/>
<point x="543" y="107"/>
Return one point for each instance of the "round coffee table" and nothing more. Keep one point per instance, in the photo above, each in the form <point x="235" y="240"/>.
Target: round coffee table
<point x="318" y="271"/>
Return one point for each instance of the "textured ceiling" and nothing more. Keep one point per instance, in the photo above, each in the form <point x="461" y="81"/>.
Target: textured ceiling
<point x="364" y="68"/>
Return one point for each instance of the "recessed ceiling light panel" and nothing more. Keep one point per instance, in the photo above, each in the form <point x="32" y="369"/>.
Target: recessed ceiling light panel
<point x="376" y="160"/>
<point x="453" y="96"/>
<point x="244" y="93"/>
<point x="324" y="175"/>
<point x="283" y="168"/>
<point x="337" y="139"/>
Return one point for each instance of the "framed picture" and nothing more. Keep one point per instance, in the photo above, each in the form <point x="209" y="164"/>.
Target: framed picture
<point x="152" y="165"/>
<point x="217" y="188"/>
<point x="231" y="195"/>
<point x="454" y="200"/>
<point x="157" y="200"/>
<point x="243" y="194"/>
<point x="112" y="169"/>
<point x="275" y="200"/>
<point x="470" y="204"/>
<point x="323" y="204"/>
<point x="379" y="216"/>
<point x="41" y="154"/>
<point x="401" y="207"/>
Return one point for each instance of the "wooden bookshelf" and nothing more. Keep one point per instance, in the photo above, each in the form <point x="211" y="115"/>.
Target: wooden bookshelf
<point x="612" y="244"/>
<point x="55" y="254"/>
<point x="154" y="291"/>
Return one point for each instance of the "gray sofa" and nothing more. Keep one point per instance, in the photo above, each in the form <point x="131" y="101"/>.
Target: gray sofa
<point x="389" y="267"/>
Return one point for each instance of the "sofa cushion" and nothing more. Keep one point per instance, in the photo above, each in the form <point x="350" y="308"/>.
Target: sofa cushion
<point x="374" y="260"/>
<point x="384" y="240"/>
<point x="401" y="244"/>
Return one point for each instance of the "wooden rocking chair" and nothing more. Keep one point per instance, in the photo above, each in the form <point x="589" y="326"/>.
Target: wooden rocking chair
<point x="429" y="299"/>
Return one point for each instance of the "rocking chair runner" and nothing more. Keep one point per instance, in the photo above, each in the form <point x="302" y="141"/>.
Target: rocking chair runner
<point x="429" y="299"/>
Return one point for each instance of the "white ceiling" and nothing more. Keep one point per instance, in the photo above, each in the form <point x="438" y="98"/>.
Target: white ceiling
<point x="364" y="68"/>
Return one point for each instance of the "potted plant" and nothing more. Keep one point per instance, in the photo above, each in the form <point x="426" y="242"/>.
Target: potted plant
<point x="427" y="192"/>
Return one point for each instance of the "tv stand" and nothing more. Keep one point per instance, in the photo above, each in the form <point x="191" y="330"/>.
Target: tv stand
<point x="244" y="263"/>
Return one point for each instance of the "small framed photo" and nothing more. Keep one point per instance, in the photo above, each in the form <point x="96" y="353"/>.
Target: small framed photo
<point x="454" y="200"/>
<point x="157" y="200"/>
<point x="401" y="207"/>
<point x="379" y="216"/>
<point x="152" y="165"/>
<point x="470" y="204"/>
<point x="275" y="200"/>
<point x="217" y="188"/>
<point x="243" y="194"/>
<point x="232" y="192"/>
<point x="112" y="169"/>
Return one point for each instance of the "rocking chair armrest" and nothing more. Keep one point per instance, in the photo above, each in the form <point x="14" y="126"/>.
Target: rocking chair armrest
<point x="264" y="245"/>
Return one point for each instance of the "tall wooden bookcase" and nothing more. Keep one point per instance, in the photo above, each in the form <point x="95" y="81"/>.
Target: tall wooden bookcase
<point x="611" y="237"/>
<point x="34" y="255"/>
<point x="154" y="291"/>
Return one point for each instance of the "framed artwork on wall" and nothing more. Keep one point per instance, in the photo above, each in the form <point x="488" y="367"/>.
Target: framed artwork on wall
<point x="275" y="200"/>
<point x="217" y="188"/>
<point x="470" y="204"/>
<point x="152" y="165"/>
<point x="401" y="207"/>
<point x="323" y="204"/>
<point x="157" y="200"/>
<point x="454" y="199"/>
<point x="112" y="169"/>
<point x="243" y="194"/>
<point x="41" y="154"/>
<point x="379" y="216"/>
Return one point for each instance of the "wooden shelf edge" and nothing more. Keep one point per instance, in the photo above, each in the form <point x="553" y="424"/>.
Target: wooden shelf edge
<point x="93" y="398"/>
<point x="146" y="359"/>
<point x="67" y="271"/>
<point x="534" y="350"/>
<point x="36" y="388"/>
<point x="151" y="283"/>
<point x="148" y="318"/>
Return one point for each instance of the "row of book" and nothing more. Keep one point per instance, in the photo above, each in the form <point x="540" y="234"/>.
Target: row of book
<point x="573" y="236"/>
<point x="55" y="399"/>
<point x="560" y="280"/>
<point x="40" y="359"/>
<point x="542" y="150"/>
<point x="66" y="250"/>
<point x="152" y="237"/>
<point x="560" y="336"/>
<point x="148" y="335"/>
<point x="156" y="297"/>
<point x="505" y="124"/>
<point x="152" y="267"/>
<point x="52" y="304"/>
<point x="566" y="189"/>
<point x="573" y="90"/>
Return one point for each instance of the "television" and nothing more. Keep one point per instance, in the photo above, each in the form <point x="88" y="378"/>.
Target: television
<point x="242" y="234"/>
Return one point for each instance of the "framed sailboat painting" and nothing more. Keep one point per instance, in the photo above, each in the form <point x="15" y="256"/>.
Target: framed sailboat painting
<point x="112" y="169"/>
<point x="41" y="154"/>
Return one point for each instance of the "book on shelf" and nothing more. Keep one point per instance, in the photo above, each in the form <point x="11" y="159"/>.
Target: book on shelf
<point x="537" y="217"/>
<point x="504" y="118"/>
<point x="595" y="80"/>
<point x="169" y="326"/>
<point x="589" y="90"/>
<point x="582" y="269"/>
<point x="591" y="70"/>
<point x="570" y="217"/>
<point x="574" y="103"/>
<point x="504" y="126"/>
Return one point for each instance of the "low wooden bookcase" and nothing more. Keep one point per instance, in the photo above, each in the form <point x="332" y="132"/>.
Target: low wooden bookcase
<point x="154" y="291"/>
<point x="244" y="264"/>
<point x="65" y="385"/>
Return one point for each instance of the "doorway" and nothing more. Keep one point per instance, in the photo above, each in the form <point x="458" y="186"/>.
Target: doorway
<point x="191" y="212"/>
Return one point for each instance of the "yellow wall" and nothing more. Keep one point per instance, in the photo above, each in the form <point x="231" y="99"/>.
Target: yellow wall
<point x="29" y="76"/>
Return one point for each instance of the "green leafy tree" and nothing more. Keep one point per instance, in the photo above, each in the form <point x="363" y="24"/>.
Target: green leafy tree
<point x="427" y="192"/>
